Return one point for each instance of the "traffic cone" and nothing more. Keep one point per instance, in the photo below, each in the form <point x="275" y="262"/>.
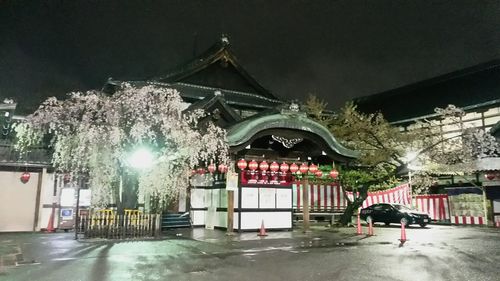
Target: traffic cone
<point x="359" y="231"/>
<point x="403" y="232"/>
<point x="370" y="228"/>
<point x="50" y="226"/>
<point x="262" y="231"/>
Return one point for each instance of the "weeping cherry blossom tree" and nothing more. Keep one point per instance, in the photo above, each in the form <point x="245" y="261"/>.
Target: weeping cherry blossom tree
<point x="94" y="134"/>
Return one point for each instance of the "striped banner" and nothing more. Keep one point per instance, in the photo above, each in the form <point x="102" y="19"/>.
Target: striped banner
<point x="468" y="220"/>
<point x="436" y="205"/>
<point x="321" y="197"/>
<point x="399" y="194"/>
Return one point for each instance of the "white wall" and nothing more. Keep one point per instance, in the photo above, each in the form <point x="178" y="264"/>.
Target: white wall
<point x="17" y="201"/>
<point x="47" y="198"/>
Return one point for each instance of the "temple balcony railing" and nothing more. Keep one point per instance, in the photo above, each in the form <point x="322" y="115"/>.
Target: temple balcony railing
<point x="37" y="156"/>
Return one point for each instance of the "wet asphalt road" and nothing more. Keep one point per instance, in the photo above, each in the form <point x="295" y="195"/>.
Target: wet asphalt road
<point x="434" y="253"/>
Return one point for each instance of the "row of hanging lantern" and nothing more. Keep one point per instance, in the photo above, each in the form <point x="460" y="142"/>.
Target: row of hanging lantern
<point x="222" y="169"/>
<point x="274" y="167"/>
<point x="263" y="166"/>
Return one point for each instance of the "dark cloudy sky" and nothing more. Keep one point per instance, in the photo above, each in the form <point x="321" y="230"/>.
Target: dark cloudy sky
<point x="335" y="49"/>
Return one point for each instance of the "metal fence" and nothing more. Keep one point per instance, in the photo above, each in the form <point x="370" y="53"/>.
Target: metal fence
<point x="109" y="225"/>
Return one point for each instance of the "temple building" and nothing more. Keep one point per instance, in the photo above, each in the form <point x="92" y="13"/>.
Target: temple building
<point x="270" y="140"/>
<point x="269" y="135"/>
<point x="475" y="90"/>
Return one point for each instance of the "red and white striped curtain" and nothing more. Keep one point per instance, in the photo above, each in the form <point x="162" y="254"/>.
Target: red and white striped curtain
<point x="321" y="197"/>
<point x="436" y="205"/>
<point x="399" y="194"/>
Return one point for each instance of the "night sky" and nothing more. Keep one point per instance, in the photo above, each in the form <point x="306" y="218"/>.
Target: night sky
<point x="335" y="49"/>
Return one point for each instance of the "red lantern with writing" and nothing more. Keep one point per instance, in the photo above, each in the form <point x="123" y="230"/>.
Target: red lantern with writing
<point x="211" y="168"/>
<point x="294" y="168"/>
<point x="274" y="167"/>
<point x="284" y="167"/>
<point x="242" y="164"/>
<point x="222" y="168"/>
<point x="253" y="165"/>
<point x="263" y="166"/>
<point x="304" y="168"/>
<point x="334" y="174"/>
<point x="318" y="173"/>
<point x="25" y="177"/>
<point x="313" y="168"/>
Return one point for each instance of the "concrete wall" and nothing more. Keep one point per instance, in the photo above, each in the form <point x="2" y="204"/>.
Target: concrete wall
<point x="19" y="208"/>
<point x="17" y="201"/>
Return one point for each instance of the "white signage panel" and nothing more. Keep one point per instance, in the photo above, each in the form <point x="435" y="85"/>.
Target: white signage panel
<point x="267" y="198"/>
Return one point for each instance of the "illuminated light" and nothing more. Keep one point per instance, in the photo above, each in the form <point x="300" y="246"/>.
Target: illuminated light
<point x="263" y="166"/>
<point x="304" y="168"/>
<point x="284" y="167"/>
<point x="253" y="165"/>
<point x="242" y="164"/>
<point x="313" y="168"/>
<point x="141" y="159"/>
<point x="274" y="167"/>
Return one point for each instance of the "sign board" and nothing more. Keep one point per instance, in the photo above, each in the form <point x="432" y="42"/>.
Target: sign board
<point x="267" y="197"/>
<point x="232" y="181"/>
<point x="67" y="214"/>
<point x="85" y="197"/>
<point x="496" y="206"/>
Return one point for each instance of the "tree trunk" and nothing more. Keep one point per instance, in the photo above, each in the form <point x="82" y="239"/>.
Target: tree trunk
<point x="353" y="206"/>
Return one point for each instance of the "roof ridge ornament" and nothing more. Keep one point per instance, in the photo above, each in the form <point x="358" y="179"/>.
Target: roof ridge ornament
<point x="292" y="108"/>
<point x="286" y="142"/>
<point x="224" y="39"/>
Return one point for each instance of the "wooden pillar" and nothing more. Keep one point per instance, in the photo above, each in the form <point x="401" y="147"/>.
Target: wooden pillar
<point x="230" y="211"/>
<point x="38" y="193"/>
<point x="305" y="203"/>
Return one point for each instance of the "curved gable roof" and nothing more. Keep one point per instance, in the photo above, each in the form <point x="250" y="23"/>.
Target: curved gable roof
<point x="243" y="131"/>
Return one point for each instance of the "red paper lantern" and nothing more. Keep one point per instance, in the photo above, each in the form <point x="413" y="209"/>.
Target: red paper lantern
<point x="334" y="174"/>
<point x="294" y="168"/>
<point x="200" y="171"/>
<point x="489" y="176"/>
<point x="25" y="177"/>
<point x="284" y="167"/>
<point x="222" y="168"/>
<point x="211" y="168"/>
<point x="304" y="168"/>
<point x="318" y="173"/>
<point x="253" y="165"/>
<point x="274" y="167"/>
<point x="193" y="172"/>
<point x="313" y="168"/>
<point x="263" y="166"/>
<point x="242" y="164"/>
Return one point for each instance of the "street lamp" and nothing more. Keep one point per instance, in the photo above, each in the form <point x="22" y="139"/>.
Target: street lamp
<point x="140" y="159"/>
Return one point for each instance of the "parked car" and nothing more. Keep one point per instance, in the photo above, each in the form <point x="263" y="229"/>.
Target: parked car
<point x="394" y="213"/>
